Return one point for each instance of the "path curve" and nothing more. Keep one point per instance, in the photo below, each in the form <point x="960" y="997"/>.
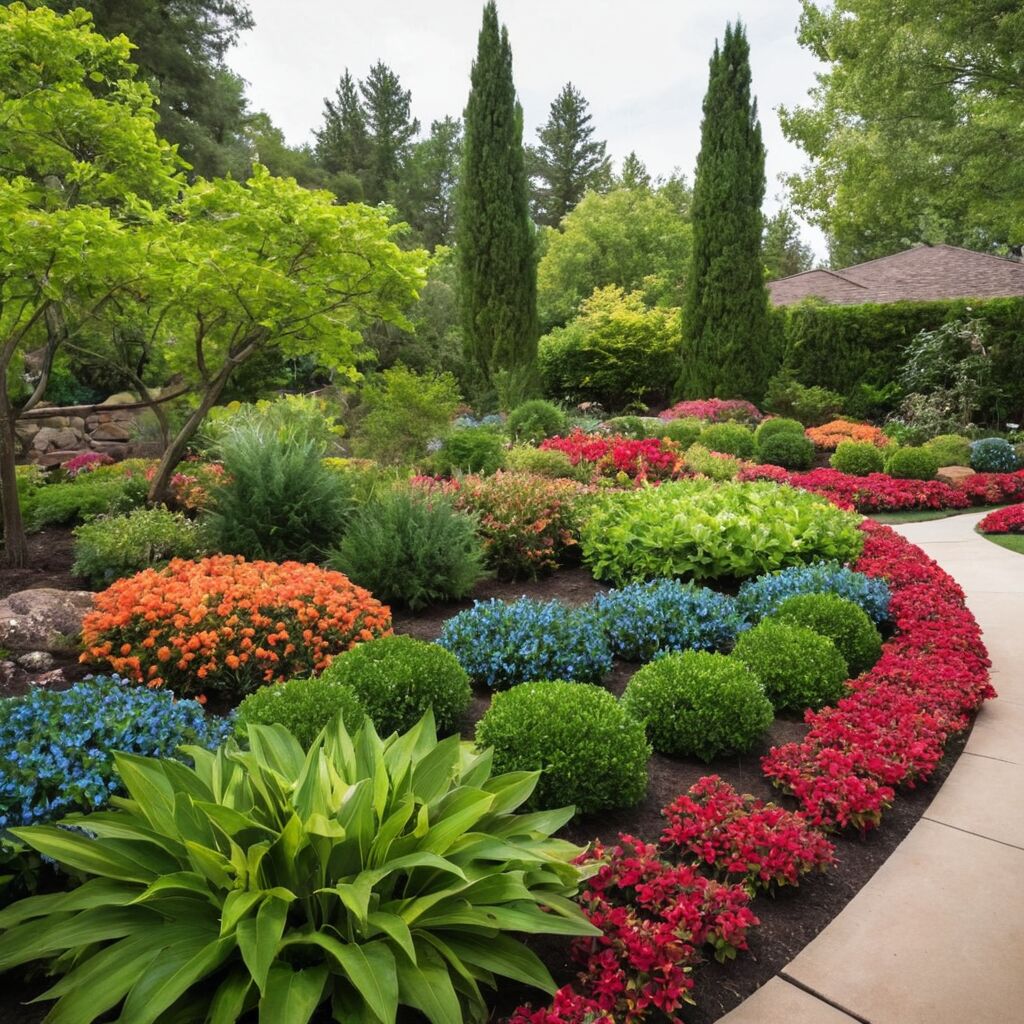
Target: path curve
<point x="937" y="935"/>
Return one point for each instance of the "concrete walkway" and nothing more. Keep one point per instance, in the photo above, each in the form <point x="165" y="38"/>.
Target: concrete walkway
<point x="937" y="935"/>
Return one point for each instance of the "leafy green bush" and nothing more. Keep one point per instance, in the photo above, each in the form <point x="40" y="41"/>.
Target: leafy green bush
<point x="684" y="431"/>
<point x="588" y="750"/>
<point x="777" y="425"/>
<point x="397" y="679"/>
<point x="61" y="504"/>
<point x="713" y="465"/>
<point x="789" y="450"/>
<point x="798" y="668"/>
<point x="843" y="622"/>
<point x="302" y="706"/>
<point x="524" y="458"/>
<point x="859" y="458"/>
<point x="699" y="704"/>
<point x="705" y="530"/>
<point x="912" y="464"/>
<point x="279" y="501"/>
<point x="281" y="880"/>
<point x="535" y="420"/>
<point x="470" y="450"/>
<point x="288" y="416"/>
<point x="109" y="547"/>
<point x="950" y="449"/>
<point x="411" y="548"/>
<point x="636" y="427"/>
<point x="729" y="439"/>
<point x="810" y="406"/>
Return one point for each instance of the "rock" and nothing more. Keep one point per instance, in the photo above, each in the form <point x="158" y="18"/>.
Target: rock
<point x="43" y="620"/>
<point x="953" y="474"/>
<point x="57" y="458"/>
<point x="49" y="679"/>
<point x="45" y="439"/>
<point x="57" y="422"/>
<point x="36" y="661"/>
<point x="121" y="398"/>
<point x="117" y="450"/>
<point x="111" y="432"/>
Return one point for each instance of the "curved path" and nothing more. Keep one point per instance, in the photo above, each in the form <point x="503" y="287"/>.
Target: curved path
<point x="937" y="935"/>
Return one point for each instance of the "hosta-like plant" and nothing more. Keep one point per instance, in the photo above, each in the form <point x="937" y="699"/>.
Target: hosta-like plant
<point x="361" y="876"/>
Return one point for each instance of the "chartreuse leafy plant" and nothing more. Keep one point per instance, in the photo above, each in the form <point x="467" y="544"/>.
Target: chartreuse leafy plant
<point x="365" y="875"/>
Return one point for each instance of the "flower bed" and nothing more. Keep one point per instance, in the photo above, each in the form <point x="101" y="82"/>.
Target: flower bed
<point x="1004" y="520"/>
<point x="646" y="459"/>
<point x="715" y="410"/>
<point x="829" y="435"/>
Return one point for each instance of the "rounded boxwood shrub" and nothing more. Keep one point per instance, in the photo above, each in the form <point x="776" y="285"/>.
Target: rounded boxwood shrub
<point x="729" y="439"/>
<point x="683" y="431"/>
<point x="993" y="455"/>
<point x="912" y="464"/>
<point x="536" y="419"/>
<point x="950" y="449"/>
<point x="643" y="620"/>
<point x="550" y="462"/>
<point x="789" y="450"/>
<point x="501" y="644"/>
<point x="777" y="425"/>
<point x="858" y="458"/>
<point x="398" y="678"/>
<point x="589" y="751"/>
<point x="798" y="668"/>
<point x="843" y="622"/>
<point x="699" y="704"/>
<point x="470" y="450"/>
<point x="302" y="706"/>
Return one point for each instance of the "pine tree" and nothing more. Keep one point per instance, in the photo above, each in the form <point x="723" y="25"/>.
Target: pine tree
<point x="343" y="143"/>
<point x="568" y="160"/>
<point x="425" y="193"/>
<point x="725" y="319"/>
<point x="634" y="173"/>
<point x="783" y="251"/>
<point x="496" y="249"/>
<point x="391" y="127"/>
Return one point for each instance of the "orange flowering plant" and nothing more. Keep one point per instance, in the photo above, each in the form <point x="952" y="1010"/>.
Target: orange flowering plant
<point x="228" y="625"/>
<point x="829" y="435"/>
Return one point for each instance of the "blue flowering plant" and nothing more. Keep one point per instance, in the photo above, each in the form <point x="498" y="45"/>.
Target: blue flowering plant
<point x="764" y="595"/>
<point x="501" y="644"/>
<point x="993" y="455"/>
<point x="645" y="620"/>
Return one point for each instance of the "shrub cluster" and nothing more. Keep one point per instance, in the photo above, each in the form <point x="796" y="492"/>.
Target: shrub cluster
<point x="501" y="644"/>
<point x="684" y="431"/>
<point x="649" y="458"/>
<point x="302" y="706"/>
<point x="829" y="435"/>
<point x="859" y="458"/>
<point x="88" y="495"/>
<point x="777" y="425"/>
<point x="993" y="455"/>
<point x="809" y="405"/>
<point x="470" y="450"/>
<point x="714" y="465"/>
<point x="589" y="752"/>
<point x="786" y="449"/>
<point x="728" y="439"/>
<point x="535" y="420"/>
<point x="842" y="621"/>
<point x="912" y="464"/>
<point x="950" y="449"/>
<point x="225" y="624"/>
<point x="524" y="458"/>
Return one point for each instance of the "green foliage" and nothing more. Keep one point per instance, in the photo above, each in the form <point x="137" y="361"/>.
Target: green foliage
<point x="404" y="412"/>
<point x="588" y="751"/>
<point x="811" y="406"/>
<point x="783" y="251"/>
<point x="726" y="343"/>
<point x="523" y="458"/>
<point x="843" y="622"/>
<point x="699" y="704"/>
<point x="950" y="449"/>
<point x="797" y="667"/>
<point x="61" y="504"/>
<point x="614" y="352"/>
<point x="791" y="451"/>
<point x="729" y="439"/>
<point x="397" y="679"/>
<point x="912" y="463"/>
<point x="535" y="420"/>
<point x="777" y="425"/>
<point x="110" y="547"/>
<point x="496" y="246"/>
<point x="706" y="531"/>
<point x="302" y="706"/>
<point x="858" y="458"/>
<point x="287" y="416"/>
<point x="425" y="192"/>
<point x="713" y="465"/>
<point x="684" y="431"/>
<point x="411" y="548"/>
<point x="365" y="873"/>
<point x="470" y="450"/>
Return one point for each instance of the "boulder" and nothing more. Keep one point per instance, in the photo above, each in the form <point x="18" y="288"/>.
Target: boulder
<point x="953" y="474"/>
<point x="43" y="620"/>
<point x="57" y="458"/>
<point x="111" y="432"/>
<point x="121" y="398"/>
<point x="36" y="661"/>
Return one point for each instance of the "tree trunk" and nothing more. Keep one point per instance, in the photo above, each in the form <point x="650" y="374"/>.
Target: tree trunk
<point x="15" y="554"/>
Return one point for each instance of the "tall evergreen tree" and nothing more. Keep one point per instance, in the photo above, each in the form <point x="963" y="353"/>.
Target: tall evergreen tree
<point x="783" y="251"/>
<point x="391" y="128"/>
<point x="425" y="194"/>
<point x="496" y="245"/>
<point x="725" y="319"/>
<point x="343" y="143"/>
<point x="568" y="160"/>
<point x="634" y="173"/>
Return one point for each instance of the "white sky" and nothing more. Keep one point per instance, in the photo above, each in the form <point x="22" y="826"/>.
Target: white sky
<point x="643" y="65"/>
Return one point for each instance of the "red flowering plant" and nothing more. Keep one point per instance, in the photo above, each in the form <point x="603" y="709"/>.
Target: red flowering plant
<point x="567" y="1007"/>
<point x="1004" y="520"/>
<point x="714" y="410"/>
<point x="645" y="459"/>
<point x="86" y="462"/>
<point x="738" y="835"/>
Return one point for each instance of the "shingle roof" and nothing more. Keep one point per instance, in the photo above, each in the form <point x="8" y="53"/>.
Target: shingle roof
<point x="923" y="273"/>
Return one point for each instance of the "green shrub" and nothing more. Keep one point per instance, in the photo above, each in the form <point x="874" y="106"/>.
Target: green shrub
<point x="810" y="406"/>
<point x="698" y="704"/>
<point x="912" y="464"/>
<point x="397" y="679"/>
<point x="729" y="439"/>
<point x="713" y="465"/>
<point x="411" y="548"/>
<point x="274" y="881"/>
<point x="993" y="455"/>
<point x="470" y="450"/>
<point x="64" y="503"/>
<point x="859" y="458"/>
<point x="535" y="420"/>
<point x="789" y="450"/>
<point x="684" y="431"/>
<point x="843" y="622"/>
<point x="705" y="530"/>
<point x="588" y="751"/>
<point x="636" y="427"/>
<point x="110" y="547"/>
<point x="302" y="706"/>
<point x="524" y="458"/>
<point x="798" y="668"/>
<point x="950" y="449"/>
<point x="777" y="425"/>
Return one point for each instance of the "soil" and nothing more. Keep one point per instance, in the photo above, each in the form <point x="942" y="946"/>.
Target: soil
<point x="789" y="920"/>
<point x="50" y="555"/>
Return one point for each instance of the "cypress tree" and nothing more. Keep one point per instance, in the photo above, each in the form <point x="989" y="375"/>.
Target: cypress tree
<point x="725" y="319"/>
<point x="495" y="236"/>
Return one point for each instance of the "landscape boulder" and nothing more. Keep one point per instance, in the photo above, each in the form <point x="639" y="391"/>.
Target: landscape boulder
<point x="44" y="619"/>
<point x="953" y="474"/>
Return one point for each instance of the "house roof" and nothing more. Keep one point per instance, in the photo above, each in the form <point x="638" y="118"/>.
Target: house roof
<point x="926" y="272"/>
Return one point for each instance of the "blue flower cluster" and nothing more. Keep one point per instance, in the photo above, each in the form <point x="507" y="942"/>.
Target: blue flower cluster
<point x="493" y="419"/>
<point x="56" y="748"/>
<point x="645" y="620"/>
<point x="993" y="455"/>
<point x="503" y="644"/>
<point x="762" y="596"/>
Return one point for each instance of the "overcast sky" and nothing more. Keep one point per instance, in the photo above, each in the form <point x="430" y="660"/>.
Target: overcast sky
<point x="643" y="65"/>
